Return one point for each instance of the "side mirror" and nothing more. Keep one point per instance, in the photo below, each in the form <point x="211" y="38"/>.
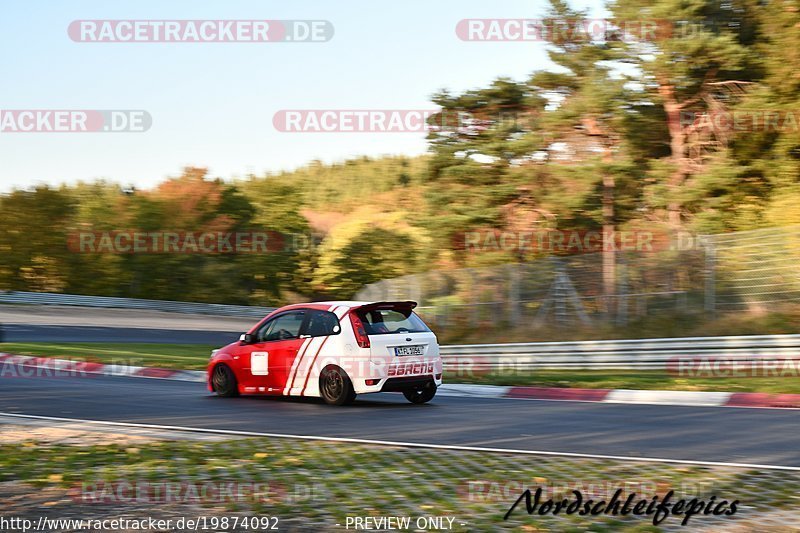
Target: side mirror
<point x="246" y="338"/>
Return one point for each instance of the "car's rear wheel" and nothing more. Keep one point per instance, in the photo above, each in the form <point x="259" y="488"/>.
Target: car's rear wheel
<point x="335" y="386"/>
<point x="224" y="382"/>
<point x="421" y="394"/>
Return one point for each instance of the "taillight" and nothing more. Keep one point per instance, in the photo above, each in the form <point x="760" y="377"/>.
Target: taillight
<point x="358" y="328"/>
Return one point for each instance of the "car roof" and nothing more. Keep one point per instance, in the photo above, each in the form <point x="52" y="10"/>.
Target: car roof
<point x="324" y="305"/>
<point x="346" y="303"/>
<point x="328" y="304"/>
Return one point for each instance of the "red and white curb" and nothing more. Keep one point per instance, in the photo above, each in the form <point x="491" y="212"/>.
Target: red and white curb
<point x="627" y="396"/>
<point x="27" y="366"/>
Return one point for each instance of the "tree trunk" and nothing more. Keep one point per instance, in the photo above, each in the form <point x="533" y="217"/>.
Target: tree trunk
<point x="609" y="256"/>
<point x="677" y="144"/>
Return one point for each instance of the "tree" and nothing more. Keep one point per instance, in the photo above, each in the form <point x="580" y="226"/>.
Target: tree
<point x="479" y="138"/>
<point x="99" y="206"/>
<point x="711" y="44"/>
<point x="592" y="103"/>
<point x="277" y="203"/>
<point x="33" y="239"/>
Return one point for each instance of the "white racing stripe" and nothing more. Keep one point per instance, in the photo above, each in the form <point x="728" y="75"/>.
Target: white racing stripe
<point x="301" y="354"/>
<point x="403" y="444"/>
<point x="310" y="370"/>
<point x="293" y="371"/>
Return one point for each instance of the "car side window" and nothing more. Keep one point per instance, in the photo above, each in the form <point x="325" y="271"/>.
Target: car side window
<point x="282" y="327"/>
<point x="322" y="324"/>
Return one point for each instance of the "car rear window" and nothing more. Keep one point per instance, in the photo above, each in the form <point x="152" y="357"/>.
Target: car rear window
<point x="387" y="321"/>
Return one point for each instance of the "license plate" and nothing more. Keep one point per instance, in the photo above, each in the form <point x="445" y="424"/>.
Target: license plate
<point x="408" y="350"/>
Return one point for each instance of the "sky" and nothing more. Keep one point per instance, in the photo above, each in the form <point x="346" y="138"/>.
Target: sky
<point x="212" y="104"/>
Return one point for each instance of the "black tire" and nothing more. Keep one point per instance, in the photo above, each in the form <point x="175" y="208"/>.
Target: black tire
<point x="335" y="386"/>
<point x="224" y="382"/>
<point x="422" y="394"/>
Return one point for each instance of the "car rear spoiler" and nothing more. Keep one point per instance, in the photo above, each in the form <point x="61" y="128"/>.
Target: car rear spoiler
<point x="407" y="304"/>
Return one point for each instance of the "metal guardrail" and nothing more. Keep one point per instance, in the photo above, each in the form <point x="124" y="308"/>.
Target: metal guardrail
<point x="41" y="298"/>
<point x="653" y="354"/>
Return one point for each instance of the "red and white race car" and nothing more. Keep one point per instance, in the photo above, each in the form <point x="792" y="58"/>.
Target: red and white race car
<point x="332" y="350"/>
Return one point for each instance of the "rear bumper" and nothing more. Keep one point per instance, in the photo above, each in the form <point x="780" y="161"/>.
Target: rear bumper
<point x="396" y="384"/>
<point x="402" y="384"/>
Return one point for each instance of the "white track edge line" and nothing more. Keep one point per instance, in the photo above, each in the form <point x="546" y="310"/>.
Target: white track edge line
<point x="402" y="444"/>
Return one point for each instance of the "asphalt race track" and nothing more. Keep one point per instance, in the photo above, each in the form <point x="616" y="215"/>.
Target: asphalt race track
<point x="53" y="323"/>
<point x="718" y="434"/>
<point x="57" y="333"/>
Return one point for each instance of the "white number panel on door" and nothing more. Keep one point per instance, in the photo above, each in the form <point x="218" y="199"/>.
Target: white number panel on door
<point x="259" y="363"/>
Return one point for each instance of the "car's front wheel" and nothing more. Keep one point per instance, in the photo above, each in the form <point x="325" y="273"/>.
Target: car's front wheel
<point x="335" y="386"/>
<point x="224" y="382"/>
<point x="421" y="394"/>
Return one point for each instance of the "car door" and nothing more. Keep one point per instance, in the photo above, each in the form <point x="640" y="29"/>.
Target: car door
<point x="275" y="346"/>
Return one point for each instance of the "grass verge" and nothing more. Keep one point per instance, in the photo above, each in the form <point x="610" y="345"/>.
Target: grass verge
<point x="321" y="484"/>
<point x="181" y="356"/>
